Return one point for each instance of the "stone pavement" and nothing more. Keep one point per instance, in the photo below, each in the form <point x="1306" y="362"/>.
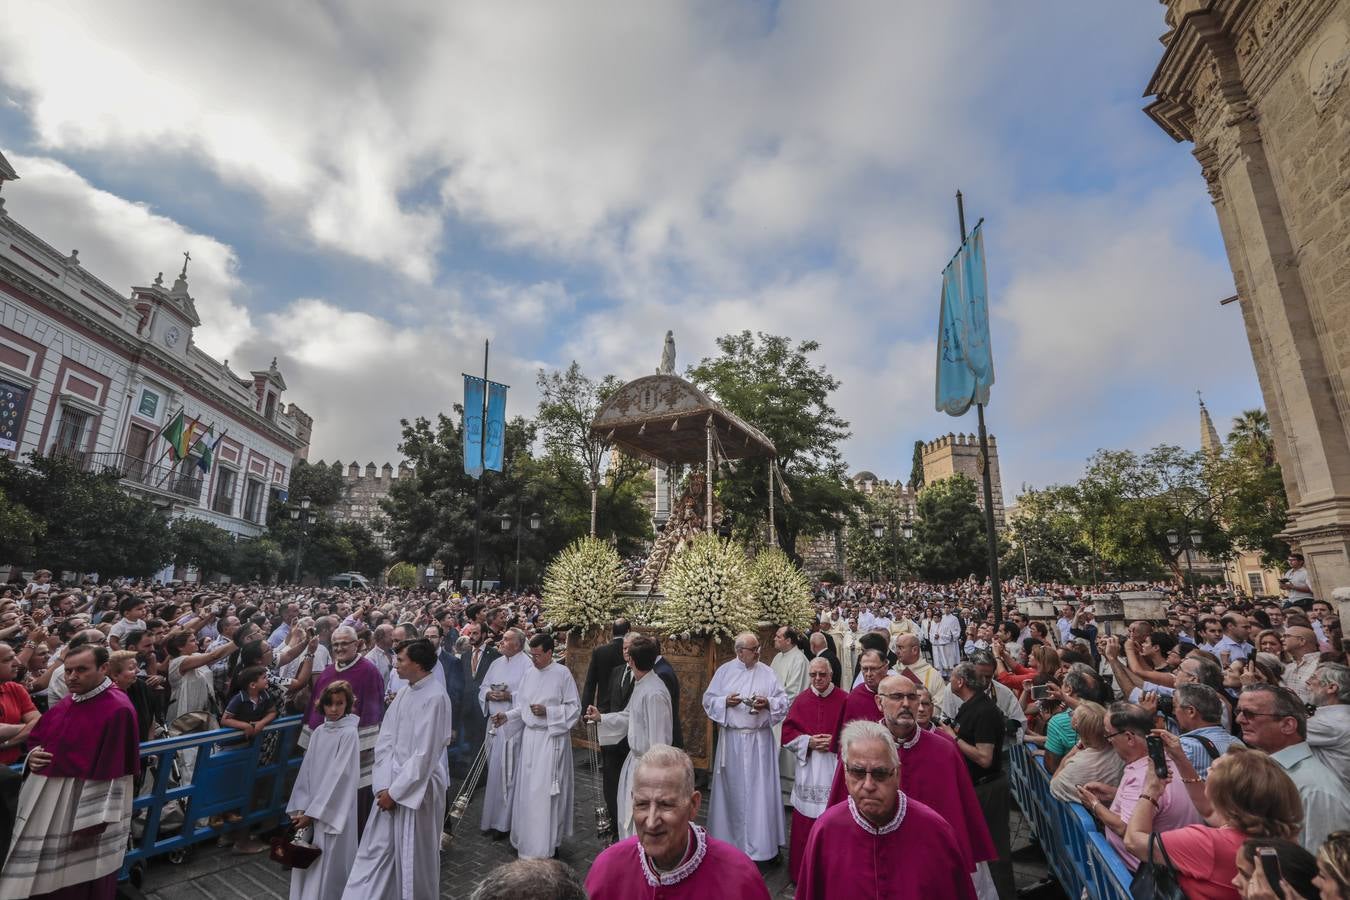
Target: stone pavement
<point x="210" y="873"/>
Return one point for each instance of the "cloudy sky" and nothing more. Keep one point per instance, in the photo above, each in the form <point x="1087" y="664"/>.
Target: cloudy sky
<point x="370" y="190"/>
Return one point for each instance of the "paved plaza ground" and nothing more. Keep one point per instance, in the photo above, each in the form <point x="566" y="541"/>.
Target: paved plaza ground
<point x="210" y="873"/>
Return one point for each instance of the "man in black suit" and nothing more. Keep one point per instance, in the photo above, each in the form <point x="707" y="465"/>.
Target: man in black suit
<point x="473" y="664"/>
<point x="819" y="649"/>
<point x="618" y="690"/>
<point x="666" y="673"/>
<point x="604" y="660"/>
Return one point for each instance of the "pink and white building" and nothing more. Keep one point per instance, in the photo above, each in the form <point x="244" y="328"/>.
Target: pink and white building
<point x="94" y="374"/>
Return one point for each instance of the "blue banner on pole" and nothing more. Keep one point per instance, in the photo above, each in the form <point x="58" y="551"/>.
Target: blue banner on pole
<point x="473" y="426"/>
<point x="955" y="383"/>
<point x="965" y="359"/>
<point x="495" y="440"/>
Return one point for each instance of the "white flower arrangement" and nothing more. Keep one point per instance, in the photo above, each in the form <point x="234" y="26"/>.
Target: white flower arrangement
<point x="709" y="590"/>
<point x="582" y="585"/>
<point x="782" y="590"/>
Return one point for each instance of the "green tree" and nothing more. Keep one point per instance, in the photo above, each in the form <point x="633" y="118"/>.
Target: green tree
<point x="1250" y="437"/>
<point x="572" y="471"/>
<point x="199" y="543"/>
<point x="949" y="539"/>
<point x="432" y="514"/>
<point x="402" y="575"/>
<point x="19" y="531"/>
<point x="1047" y="536"/>
<point x="1132" y="501"/>
<point x="89" y="523"/>
<point x="1256" y="508"/>
<point x="773" y="385"/>
<point x="916" y="467"/>
<point x="256" y="559"/>
<point x="877" y="558"/>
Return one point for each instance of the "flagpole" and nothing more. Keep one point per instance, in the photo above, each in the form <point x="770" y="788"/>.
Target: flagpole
<point x="990" y="537"/>
<point x="482" y="471"/>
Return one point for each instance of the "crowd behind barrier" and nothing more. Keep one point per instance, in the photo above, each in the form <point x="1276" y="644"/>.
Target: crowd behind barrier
<point x="1075" y="850"/>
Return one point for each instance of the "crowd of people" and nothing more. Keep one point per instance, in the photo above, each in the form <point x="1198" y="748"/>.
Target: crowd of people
<point x="1206" y="741"/>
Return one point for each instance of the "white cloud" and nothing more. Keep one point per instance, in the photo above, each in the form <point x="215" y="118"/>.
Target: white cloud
<point x="125" y="244"/>
<point x="708" y="167"/>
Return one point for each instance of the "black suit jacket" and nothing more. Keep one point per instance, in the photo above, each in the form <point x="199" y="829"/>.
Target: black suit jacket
<point x="605" y="660"/>
<point x="667" y="675"/>
<point x="485" y="660"/>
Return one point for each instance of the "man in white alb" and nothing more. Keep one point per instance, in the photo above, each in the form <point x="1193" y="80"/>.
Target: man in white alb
<point x="496" y="695"/>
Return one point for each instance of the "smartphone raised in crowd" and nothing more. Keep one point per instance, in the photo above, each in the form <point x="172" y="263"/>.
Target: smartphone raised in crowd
<point x="1270" y="864"/>
<point x="1157" y="754"/>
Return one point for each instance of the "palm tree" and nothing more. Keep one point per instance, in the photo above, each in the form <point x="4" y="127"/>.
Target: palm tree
<point x="1250" y="437"/>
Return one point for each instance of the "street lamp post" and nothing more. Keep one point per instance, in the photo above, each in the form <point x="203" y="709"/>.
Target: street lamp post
<point x="879" y="531"/>
<point x="535" y="521"/>
<point x="1192" y="543"/>
<point x="309" y="519"/>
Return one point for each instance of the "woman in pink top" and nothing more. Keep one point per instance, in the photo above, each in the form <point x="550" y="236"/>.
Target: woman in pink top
<point x="1247" y="795"/>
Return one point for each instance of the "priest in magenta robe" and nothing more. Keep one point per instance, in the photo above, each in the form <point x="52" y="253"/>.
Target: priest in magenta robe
<point x="862" y="700"/>
<point x="367" y="686"/>
<point x="880" y="844"/>
<point x="74" y="813"/>
<point x="671" y="857"/>
<point x="932" y="771"/>
<point x="811" y="734"/>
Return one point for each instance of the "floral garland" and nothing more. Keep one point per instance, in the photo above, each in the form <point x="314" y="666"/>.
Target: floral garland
<point x="582" y="585"/>
<point x="782" y="590"/>
<point x="709" y="590"/>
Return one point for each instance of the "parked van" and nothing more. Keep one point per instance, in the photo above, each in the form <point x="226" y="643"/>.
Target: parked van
<point x="352" y="581"/>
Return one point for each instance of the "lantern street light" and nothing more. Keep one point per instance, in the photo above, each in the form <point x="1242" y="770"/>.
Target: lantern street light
<point x="1191" y="544"/>
<point x="309" y="518"/>
<point x="535" y="521"/>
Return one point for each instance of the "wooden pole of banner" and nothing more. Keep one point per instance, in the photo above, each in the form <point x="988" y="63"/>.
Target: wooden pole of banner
<point x="991" y="538"/>
<point x="773" y="529"/>
<point x="708" y="510"/>
<point x="482" y="471"/>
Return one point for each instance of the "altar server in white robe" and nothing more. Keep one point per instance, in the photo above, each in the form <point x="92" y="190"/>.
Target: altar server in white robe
<point x="645" y="721"/>
<point x="945" y="634"/>
<point x="746" y="701"/>
<point x="548" y="705"/>
<point x="400" y="853"/>
<point x="324" y="796"/>
<point x="789" y="664"/>
<point x="497" y="695"/>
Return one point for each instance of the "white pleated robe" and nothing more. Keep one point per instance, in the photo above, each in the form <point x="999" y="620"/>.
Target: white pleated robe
<point x="746" y="807"/>
<point x="400" y="853"/>
<point x="647" y="720"/>
<point x="503" y="742"/>
<point x="792" y="669"/>
<point x="325" y="790"/>
<point x="541" y="810"/>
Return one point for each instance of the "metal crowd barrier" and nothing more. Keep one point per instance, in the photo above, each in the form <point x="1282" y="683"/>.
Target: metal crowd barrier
<point x="1077" y="852"/>
<point x="229" y="775"/>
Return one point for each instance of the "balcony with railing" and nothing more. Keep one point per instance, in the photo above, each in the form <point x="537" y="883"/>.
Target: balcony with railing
<point x="144" y="474"/>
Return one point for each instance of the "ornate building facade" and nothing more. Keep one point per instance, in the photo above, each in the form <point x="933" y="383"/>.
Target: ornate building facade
<point x="1258" y="87"/>
<point x="92" y="374"/>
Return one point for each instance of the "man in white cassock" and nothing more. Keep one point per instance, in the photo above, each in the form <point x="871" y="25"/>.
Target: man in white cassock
<point x="548" y="705"/>
<point x="945" y="634"/>
<point x="496" y="695"/>
<point x="399" y="857"/>
<point x="746" y="701"/>
<point x="789" y="664"/>
<point x="646" y="720"/>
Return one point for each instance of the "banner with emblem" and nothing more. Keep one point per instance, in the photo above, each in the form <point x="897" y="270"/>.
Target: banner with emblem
<point x="13" y="401"/>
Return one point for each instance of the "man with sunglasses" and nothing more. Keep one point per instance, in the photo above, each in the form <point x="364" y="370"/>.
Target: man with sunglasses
<point x="880" y="843"/>
<point x="1273" y="719"/>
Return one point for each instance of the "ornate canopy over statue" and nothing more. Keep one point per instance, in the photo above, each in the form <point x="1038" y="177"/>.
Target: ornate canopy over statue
<point x="664" y="418"/>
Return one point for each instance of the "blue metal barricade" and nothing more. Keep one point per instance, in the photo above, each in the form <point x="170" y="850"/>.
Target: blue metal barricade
<point x="1077" y="853"/>
<point x="229" y="775"/>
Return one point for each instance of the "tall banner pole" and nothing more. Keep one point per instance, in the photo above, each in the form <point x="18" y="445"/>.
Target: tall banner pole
<point x="707" y="512"/>
<point x="773" y="530"/>
<point x="478" y="491"/>
<point x="991" y="538"/>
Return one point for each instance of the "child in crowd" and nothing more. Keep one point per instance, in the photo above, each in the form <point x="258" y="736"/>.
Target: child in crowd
<point x="324" y="797"/>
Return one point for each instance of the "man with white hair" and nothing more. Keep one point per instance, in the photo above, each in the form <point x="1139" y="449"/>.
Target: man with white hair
<point x="945" y="635"/>
<point x="811" y="735"/>
<point x="496" y="695"/>
<point x="880" y="845"/>
<point x="1329" y="729"/>
<point x="746" y="700"/>
<point x="670" y="855"/>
